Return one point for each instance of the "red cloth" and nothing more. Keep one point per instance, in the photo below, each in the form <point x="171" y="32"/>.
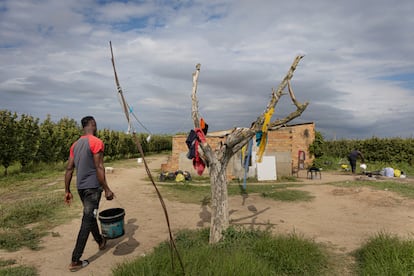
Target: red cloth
<point x="198" y="162"/>
<point x="200" y="135"/>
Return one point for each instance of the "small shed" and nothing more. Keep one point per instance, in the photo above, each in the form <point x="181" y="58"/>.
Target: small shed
<point x="287" y="151"/>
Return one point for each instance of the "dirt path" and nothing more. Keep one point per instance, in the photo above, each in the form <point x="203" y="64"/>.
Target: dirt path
<point x="341" y="217"/>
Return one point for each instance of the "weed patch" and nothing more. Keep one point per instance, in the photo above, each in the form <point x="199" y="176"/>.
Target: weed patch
<point x="288" y="195"/>
<point x="242" y="252"/>
<point x="24" y="222"/>
<point x="9" y="267"/>
<point x="386" y="254"/>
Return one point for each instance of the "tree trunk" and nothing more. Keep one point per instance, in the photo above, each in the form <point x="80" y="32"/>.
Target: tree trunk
<point x="219" y="202"/>
<point x="235" y="140"/>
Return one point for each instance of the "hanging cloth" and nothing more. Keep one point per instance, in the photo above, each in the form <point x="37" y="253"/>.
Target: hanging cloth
<point x="203" y="126"/>
<point x="243" y="154"/>
<point x="258" y="137"/>
<point x="198" y="162"/>
<point x="200" y="135"/>
<point x="191" y="144"/>
<point x="247" y="161"/>
<point x="263" y="140"/>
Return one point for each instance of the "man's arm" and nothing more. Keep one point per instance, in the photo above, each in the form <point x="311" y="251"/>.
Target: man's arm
<point x="68" y="178"/>
<point x="362" y="156"/>
<point x="100" y="173"/>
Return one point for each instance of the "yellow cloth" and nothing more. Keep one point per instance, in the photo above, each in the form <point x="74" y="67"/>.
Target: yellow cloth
<point x="397" y="173"/>
<point x="263" y="141"/>
<point x="243" y="153"/>
<point x="180" y="178"/>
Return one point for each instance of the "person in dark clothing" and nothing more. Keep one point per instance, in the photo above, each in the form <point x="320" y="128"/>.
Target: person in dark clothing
<point x="353" y="156"/>
<point x="86" y="155"/>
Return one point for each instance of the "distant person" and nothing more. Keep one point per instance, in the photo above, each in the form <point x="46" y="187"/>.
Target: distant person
<point x="86" y="155"/>
<point x="353" y="156"/>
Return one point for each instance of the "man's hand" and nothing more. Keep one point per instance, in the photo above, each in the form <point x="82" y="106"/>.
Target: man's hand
<point x="109" y="195"/>
<point x="68" y="198"/>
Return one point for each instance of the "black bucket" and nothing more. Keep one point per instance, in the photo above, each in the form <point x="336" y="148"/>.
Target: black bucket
<point x="112" y="222"/>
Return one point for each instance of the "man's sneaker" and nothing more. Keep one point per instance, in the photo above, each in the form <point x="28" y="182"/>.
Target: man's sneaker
<point x="75" y="266"/>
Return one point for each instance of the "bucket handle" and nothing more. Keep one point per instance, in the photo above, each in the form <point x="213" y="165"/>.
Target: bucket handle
<point x="115" y="199"/>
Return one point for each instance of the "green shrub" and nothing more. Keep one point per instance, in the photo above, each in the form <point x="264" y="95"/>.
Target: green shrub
<point x="242" y="252"/>
<point x="386" y="254"/>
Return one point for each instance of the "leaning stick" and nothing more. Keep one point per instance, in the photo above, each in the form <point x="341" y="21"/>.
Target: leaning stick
<point x="141" y="151"/>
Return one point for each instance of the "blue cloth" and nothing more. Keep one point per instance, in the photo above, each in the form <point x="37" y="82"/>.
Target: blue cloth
<point x="258" y="137"/>
<point x="247" y="161"/>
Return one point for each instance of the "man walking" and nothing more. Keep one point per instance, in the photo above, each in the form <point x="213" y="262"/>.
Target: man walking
<point x="86" y="155"/>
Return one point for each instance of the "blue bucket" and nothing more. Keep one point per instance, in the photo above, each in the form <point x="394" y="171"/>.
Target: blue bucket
<point x="112" y="222"/>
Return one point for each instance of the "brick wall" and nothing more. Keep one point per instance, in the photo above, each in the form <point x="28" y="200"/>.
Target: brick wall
<point x="293" y="138"/>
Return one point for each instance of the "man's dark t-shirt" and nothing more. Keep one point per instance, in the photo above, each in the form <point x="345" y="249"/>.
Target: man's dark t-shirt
<point x="354" y="155"/>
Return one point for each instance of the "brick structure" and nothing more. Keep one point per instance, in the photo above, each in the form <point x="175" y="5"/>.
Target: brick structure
<point x="285" y="144"/>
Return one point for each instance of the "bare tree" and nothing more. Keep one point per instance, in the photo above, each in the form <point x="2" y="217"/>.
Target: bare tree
<point x="236" y="138"/>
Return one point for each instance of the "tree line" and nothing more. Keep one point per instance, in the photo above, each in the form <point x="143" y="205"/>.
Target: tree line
<point x="388" y="150"/>
<point x="27" y="141"/>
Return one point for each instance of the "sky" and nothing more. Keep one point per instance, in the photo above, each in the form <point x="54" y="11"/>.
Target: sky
<point x="357" y="72"/>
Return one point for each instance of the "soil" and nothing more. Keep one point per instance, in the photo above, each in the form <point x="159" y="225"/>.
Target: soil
<point x="342" y="218"/>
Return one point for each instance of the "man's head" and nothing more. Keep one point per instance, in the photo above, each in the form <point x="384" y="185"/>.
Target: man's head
<point x="89" y="125"/>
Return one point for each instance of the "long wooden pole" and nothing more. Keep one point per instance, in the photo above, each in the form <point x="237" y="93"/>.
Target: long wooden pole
<point x="141" y="151"/>
<point x="124" y="104"/>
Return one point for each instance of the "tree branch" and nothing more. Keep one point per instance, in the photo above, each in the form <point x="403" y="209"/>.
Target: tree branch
<point x="205" y="147"/>
<point x="238" y="138"/>
<point x="276" y="94"/>
<point x="194" y="107"/>
<point x="299" y="110"/>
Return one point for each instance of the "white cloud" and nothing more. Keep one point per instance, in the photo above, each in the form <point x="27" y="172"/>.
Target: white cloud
<point x="57" y="54"/>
